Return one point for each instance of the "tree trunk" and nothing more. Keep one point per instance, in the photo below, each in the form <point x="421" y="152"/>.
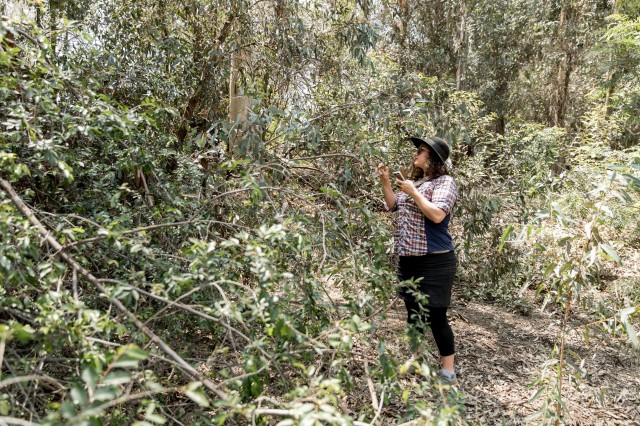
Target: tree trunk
<point x="462" y="41"/>
<point x="562" y="90"/>
<point x="610" y="74"/>
<point x="400" y="27"/>
<point x="200" y="52"/>
<point x="558" y="105"/>
<point x="53" y="37"/>
<point x="501" y="124"/>
<point x="238" y="103"/>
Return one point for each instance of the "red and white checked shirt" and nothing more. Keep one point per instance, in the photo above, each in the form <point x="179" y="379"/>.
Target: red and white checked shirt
<point x="416" y="234"/>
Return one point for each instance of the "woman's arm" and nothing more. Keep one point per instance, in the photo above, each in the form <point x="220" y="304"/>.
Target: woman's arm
<point x="429" y="209"/>
<point x="389" y="195"/>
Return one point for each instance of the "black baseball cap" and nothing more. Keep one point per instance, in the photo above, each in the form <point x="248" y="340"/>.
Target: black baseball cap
<point x="439" y="145"/>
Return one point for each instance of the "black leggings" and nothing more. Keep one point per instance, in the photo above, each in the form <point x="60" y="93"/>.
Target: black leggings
<point x="437" y="318"/>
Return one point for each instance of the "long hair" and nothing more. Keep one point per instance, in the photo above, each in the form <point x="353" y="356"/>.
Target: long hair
<point x="435" y="168"/>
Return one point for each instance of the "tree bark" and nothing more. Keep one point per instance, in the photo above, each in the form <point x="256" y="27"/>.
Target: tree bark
<point x="610" y="74"/>
<point x="565" y="67"/>
<point x="462" y="39"/>
<point x="238" y="103"/>
<point x="562" y="90"/>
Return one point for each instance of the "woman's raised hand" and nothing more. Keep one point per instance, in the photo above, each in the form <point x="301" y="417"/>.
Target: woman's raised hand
<point x="383" y="172"/>
<point x="407" y="186"/>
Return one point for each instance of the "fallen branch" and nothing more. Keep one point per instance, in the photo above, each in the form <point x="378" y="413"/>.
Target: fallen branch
<point x="57" y="247"/>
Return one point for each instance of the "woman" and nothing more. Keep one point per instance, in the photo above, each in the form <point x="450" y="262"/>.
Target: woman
<point x="423" y="243"/>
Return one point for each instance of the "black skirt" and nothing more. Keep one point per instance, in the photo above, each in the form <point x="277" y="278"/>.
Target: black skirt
<point x="437" y="272"/>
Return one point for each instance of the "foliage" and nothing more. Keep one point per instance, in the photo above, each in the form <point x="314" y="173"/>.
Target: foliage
<point x="198" y="284"/>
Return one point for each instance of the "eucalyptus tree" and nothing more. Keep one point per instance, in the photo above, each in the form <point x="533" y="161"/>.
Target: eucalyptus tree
<point x="619" y="69"/>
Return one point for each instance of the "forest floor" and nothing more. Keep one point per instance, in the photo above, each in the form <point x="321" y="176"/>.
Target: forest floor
<point x="500" y="354"/>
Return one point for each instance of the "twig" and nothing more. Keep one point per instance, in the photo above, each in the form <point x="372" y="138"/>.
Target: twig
<point x="24" y="392"/>
<point x="560" y="364"/>
<point x="288" y="413"/>
<point x="104" y="342"/>
<point x="164" y="308"/>
<point x="18" y="314"/>
<point x="313" y="157"/>
<point x="140" y="174"/>
<point x="2" y="347"/>
<point x="74" y="285"/>
<point x="29" y="378"/>
<point x="125" y="398"/>
<point x="55" y="245"/>
<point x="372" y="391"/>
<point x="131" y="231"/>
<point x="15" y="421"/>
<point x="373" y="421"/>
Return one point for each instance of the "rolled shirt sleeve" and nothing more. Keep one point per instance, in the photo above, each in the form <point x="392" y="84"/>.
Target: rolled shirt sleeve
<point x="445" y="193"/>
<point x="395" y="205"/>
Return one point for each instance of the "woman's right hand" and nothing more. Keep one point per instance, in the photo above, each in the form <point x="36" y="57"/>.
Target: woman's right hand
<point x="383" y="172"/>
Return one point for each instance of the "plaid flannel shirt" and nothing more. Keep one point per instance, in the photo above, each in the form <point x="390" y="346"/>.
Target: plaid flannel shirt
<point x="417" y="235"/>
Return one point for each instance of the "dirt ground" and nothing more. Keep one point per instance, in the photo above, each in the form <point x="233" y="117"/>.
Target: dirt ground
<point x="500" y="354"/>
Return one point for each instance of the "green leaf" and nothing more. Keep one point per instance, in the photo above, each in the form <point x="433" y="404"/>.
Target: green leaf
<point x="90" y="376"/>
<point x="197" y="395"/>
<point x="117" y="378"/>
<point x="107" y="393"/>
<point x="67" y="409"/>
<point x="504" y="237"/>
<point x="626" y="312"/>
<point x="610" y="253"/>
<point x="533" y="416"/>
<point x="152" y="417"/>
<point x="156" y="418"/>
<point x="23" y="333"/>
<point x="633" y="335"/>
<point x="79" y="395"/>
<point x="66" y="170"/>
<point x="633" y="181"/>
<point x="130" y="356"/>
<point x="630" y="329"/>
<point x="4" y="408"/>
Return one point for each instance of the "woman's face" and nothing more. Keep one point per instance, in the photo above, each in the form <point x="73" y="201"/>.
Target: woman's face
<point x="421" y="157"/>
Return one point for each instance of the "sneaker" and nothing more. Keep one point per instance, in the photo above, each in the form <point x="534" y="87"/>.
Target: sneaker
<point x="452" y="381"/>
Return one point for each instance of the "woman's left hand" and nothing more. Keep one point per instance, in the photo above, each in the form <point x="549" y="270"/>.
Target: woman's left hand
<point x="407" y="187"/>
